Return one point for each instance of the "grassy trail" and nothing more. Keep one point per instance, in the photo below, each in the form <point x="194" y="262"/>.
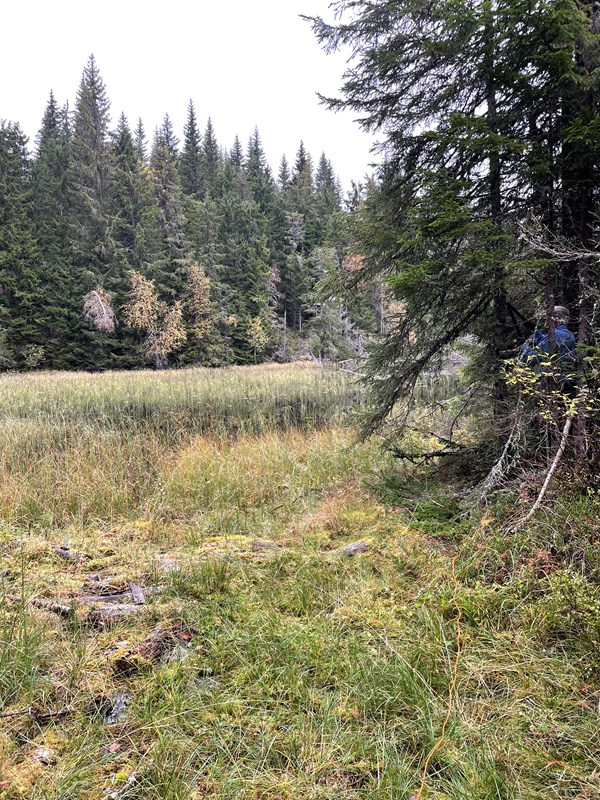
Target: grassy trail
<point x="265" y="663"/>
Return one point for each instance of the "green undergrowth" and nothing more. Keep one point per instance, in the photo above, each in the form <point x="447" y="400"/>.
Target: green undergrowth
<point x="285" y="668"/>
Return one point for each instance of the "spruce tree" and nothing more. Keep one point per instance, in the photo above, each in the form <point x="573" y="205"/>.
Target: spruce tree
<point x="488" y="115"/>
<point x="136" y="231"/>
<point x="244" y="268"/>
<point x="165" y="135"/>
<point x="51" y="208"/>
<point x="302" y="192"/>
<point x="124" y="164"/>
<point x="189" y="162"/>
<point x="284" y="177"/>
<point x="140" y="142"/>
<point x="91" y="177"/>
<point x="209" y="162"/>
<point x="169" y="269"/>
<point x="258" y="175"/>
<point x="92" y="240"/>
<point x="22" y="317"/>
<point x="236" y="154"/>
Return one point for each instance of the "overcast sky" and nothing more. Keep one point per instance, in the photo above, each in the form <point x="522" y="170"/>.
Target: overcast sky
<point x="242" y="63"/>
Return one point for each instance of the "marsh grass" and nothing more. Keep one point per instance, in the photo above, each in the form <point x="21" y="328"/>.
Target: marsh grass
<point x="308" y="675"/>
<point x="229" y="401"/>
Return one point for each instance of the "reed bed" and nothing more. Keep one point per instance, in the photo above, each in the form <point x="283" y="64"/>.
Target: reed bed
<point x="229" y="401"/>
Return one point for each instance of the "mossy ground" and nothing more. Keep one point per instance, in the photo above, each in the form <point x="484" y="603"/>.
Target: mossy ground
<point x="289" y="670"/>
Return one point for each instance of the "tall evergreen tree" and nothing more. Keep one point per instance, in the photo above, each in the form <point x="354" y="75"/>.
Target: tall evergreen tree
<point x="170" y="269"/>
<point x="244" y="269"/>
<point x="91" y="178"/>
<point x="189" y="163"/>
<point x="125" y="161"/>
<point x="258" y="175"/>
<point x="210" y="160"/>
<point x="483" y="108"/>
<point x="236" y="154"/>
<point x="140" y="142"/>
<point x="165" y="135"/>
<point x="135" y="211"/>
<point x="21" y="276"/>
<point x="51" y="207"/>
<point x="303" y="197"/>
<point x="284" y="176"/>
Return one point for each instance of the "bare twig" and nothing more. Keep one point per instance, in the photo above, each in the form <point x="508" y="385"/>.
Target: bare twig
<point x="69" y="555"/>
<point x="540" y="238"/>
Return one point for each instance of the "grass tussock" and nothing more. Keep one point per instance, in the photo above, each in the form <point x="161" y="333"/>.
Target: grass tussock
<point x="264" y="664"/>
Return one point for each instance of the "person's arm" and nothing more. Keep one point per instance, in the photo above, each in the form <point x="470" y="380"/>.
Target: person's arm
<point x="540" y="344"/>
<point x="528" y="354"/>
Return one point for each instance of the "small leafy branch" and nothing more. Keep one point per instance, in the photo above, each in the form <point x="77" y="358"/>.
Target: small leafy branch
<point x="554" y="386"/>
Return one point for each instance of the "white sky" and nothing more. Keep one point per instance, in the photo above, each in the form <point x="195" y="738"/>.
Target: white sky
<point x="242" y="62"/>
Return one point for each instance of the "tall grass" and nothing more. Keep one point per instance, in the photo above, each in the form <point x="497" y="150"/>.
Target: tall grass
<point x="307" y="674"/>
<point x="77" y="449"/>
<point x="229" y="401"/>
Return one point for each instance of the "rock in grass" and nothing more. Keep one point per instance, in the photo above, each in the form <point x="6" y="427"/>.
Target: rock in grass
<point x="103" y="616"/>
<point x="178" y="654"/>
<point x="69" y="555"/>
<point x="261" y="546"/>
<point x="44" y="755"/>
<point x="352" y="549"/>
<point x="137" y="594"/>
<point x="118" y="708"/>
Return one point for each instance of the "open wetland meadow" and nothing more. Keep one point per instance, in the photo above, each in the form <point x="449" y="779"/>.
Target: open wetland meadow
<point x="209" y="588"/>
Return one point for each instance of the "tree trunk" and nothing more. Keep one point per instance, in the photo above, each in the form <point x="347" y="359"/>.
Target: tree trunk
<point x="495" y="199"/>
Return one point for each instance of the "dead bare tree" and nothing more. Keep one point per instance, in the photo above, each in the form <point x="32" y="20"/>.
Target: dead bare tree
<point x="98" y="310"/>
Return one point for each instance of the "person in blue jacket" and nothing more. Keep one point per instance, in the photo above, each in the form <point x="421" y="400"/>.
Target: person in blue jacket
<point x="565" y="341"/>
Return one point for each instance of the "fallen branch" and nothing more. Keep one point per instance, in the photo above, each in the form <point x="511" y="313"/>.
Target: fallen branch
<point x="444" y="452"/>
<point x="38" y="716"/>
<point x="69" y="555"/>
<point x="46" y="605"/>
<point x="551" y="471"/>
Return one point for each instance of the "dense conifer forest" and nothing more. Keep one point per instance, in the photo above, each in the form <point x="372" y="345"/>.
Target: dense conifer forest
<point x="120" y="248"/>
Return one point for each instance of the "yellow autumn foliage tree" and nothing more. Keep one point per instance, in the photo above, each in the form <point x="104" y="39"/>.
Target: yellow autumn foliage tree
<point x="161" y="323"/>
